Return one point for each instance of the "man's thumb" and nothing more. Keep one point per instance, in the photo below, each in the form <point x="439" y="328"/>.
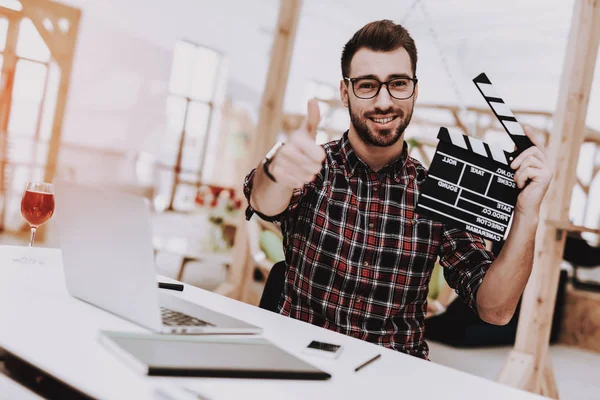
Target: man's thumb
<point x="313" y="118"/>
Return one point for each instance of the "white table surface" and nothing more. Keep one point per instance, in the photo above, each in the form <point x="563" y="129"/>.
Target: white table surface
<point x="41" y="323"/>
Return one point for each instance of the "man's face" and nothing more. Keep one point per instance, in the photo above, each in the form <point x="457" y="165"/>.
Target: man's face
<point x="370" y="118"/>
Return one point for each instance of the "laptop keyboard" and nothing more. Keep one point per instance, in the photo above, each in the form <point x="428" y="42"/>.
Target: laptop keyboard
<point x="176" y="318"/>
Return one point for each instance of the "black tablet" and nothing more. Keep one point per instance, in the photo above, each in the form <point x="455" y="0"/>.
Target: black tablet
<point x="208" y="356"/>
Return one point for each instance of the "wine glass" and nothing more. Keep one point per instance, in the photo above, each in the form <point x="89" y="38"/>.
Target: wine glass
<point x="37" y="205"/>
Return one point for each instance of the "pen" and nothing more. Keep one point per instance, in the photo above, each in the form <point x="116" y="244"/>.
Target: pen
<point x="361" y="366"/>
<point x="172" y="286"/>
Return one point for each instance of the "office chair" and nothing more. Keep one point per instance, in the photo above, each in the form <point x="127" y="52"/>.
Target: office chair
<point x="273" y="287"/>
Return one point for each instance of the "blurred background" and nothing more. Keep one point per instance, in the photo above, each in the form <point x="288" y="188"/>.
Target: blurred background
<point x="166" y="99"/>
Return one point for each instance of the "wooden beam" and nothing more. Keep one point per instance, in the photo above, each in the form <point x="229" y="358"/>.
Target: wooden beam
<point x="424" y="156"/>
<point x="459" y="122"/>
<point x="61" y="44"/>
<point x="584" y="187"/>
<point x="569" y="227"/>
<point x="592" y="136"/>
<point x="57" y="9"/>
<point x="269" y="122"/>
<point x="37" y="17"/>
<point x="9" y="13"/>
<point x="537" y="307"/>
<point x="271" y="110"/>
<point x="521" y="370"/>
<point x="480" y="110"/>
<point x="549" y="388"/>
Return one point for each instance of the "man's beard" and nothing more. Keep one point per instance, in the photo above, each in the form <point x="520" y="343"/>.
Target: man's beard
<point x="385" y="138"/>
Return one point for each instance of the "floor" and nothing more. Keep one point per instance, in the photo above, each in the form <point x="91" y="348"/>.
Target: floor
<point x="577" y="371"/>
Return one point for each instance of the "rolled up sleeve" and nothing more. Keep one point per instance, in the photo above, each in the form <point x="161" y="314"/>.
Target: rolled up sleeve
<point x="294" y="201"/>
<point x="466" y="261"/>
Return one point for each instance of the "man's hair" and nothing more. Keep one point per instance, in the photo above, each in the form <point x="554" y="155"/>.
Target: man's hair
<point x="382" y="36"/>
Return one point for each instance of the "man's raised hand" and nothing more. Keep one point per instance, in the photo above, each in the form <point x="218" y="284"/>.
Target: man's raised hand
<point x="301" y="159"/>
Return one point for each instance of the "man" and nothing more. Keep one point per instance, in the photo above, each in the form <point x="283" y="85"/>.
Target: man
<point x="358" y="257"/>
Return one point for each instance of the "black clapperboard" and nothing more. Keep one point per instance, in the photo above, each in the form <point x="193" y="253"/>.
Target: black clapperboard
<point x="470" y="184"/>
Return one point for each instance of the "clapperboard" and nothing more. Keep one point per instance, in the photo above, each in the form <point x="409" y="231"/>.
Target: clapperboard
<point x="470" y="184"/>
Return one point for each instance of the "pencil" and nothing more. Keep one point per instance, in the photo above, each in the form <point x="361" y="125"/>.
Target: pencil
<point x="361" y="366"/>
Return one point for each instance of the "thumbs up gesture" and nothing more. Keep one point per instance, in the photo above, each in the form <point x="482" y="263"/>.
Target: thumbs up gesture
<point x="301" y="159"/>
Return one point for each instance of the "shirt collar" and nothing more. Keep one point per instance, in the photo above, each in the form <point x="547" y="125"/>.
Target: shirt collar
<point x="352" y="161"/>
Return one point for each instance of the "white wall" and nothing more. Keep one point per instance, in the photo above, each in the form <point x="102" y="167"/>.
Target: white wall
<point x="120" y="78"/>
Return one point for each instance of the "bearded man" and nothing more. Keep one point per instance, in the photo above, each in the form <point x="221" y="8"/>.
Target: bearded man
<point x="358" y="257"/>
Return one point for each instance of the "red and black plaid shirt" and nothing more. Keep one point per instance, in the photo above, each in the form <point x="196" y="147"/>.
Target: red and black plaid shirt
<point x="360" y="259"/>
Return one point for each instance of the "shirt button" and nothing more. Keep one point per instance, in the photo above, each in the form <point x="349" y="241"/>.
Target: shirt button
<point x="358" y="299"/>
<point x="375" y="188"/>
<point x="365" y="264"/>
<point x="371" y="225"/>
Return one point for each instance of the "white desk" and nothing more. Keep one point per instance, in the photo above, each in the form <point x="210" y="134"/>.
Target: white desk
<point x="44" y="326"/>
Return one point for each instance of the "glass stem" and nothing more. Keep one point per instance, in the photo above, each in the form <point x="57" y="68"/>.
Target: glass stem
<point x="33" y="229"/>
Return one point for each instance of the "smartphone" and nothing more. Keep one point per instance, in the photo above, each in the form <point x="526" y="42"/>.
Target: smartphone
<point x="323" y="349"/>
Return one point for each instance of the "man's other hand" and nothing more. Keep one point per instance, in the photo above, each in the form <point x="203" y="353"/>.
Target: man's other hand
<point x="533" y="174"/>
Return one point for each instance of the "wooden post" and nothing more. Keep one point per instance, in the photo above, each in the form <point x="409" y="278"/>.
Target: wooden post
<point x="269" y="123"/>
<point x="548" y="387"/>
<point x="528" y="366"/>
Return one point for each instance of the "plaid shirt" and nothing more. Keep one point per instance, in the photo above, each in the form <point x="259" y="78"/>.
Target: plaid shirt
<point x="360" y="259"/>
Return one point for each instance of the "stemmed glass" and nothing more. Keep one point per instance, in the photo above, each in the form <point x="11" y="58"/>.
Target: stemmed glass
<point x="37" y="205"/>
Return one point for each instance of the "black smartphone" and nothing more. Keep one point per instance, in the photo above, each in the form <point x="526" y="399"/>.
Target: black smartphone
<point x="329" y="350"/>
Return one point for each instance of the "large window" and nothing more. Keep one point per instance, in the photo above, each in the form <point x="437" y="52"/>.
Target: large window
<point x="195" y="76"/>
<point x="28" y="97"/>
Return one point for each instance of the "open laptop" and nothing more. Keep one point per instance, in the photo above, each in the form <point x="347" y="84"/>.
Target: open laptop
<point x="108" y="260"/>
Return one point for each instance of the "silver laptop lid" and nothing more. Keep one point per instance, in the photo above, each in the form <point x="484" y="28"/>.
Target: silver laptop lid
<point x="106" y="242"/>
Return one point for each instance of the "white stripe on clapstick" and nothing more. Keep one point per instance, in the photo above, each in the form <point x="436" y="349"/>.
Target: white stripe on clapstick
<point x="501" y="109"/>
<point x="464" y="222"/>
<point x="478" y="147"/>
<point x="462" y="209"/>
<point x="458" y="139"/>
<point x="488" y="90"/>
<point x="514" y="128"/>
<point x="498" y="154"/>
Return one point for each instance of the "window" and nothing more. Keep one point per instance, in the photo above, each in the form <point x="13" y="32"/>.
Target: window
<point x="30" y="117"/>
<point x="190" y="110"/>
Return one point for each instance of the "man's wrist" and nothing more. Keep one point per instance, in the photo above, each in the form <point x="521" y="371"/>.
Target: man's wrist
<point x="525" y="222"/>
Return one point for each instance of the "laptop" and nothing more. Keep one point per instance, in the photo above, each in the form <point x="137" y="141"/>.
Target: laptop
<point x="108" y="259"/>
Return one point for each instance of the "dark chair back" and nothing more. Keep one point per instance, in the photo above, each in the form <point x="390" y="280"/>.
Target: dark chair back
<point x="273" y="287"/>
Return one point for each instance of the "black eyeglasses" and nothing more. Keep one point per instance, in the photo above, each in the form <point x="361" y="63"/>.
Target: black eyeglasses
<point x="398" y="88"/>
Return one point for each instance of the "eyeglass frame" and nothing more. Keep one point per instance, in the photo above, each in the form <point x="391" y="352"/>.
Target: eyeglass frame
<point x="415" y="81"/>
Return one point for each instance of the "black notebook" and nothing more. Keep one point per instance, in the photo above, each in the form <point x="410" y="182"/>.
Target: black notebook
<point x="208" y="356"/>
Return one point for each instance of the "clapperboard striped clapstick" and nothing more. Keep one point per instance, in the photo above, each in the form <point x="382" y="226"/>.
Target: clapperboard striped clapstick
<point x="470" y="184"/>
